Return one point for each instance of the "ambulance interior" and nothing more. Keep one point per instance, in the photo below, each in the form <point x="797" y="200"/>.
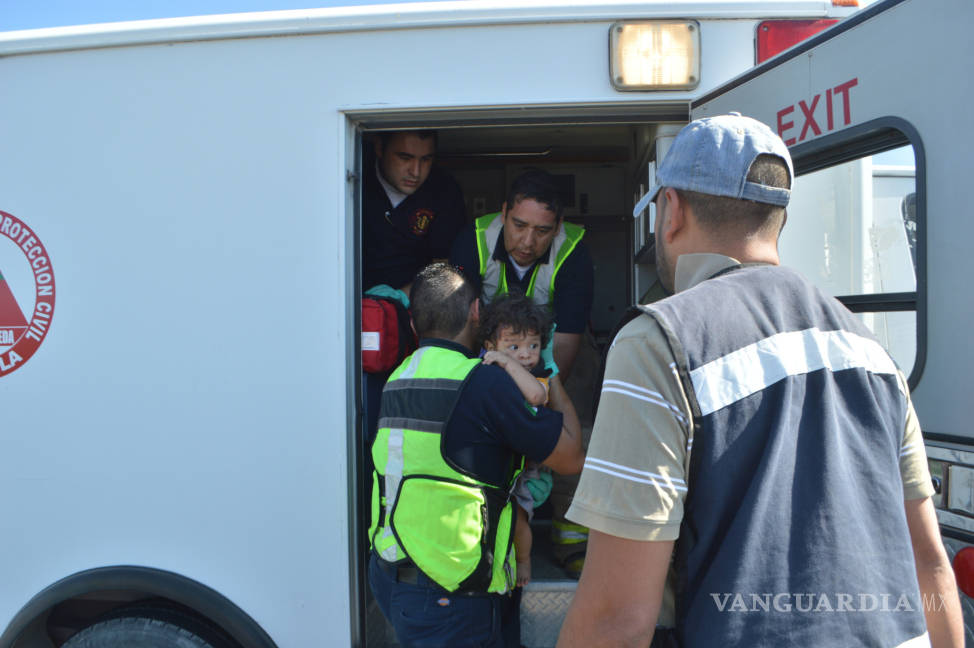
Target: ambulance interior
<point x="833" y="236"/>
<point x="602" y="169"/>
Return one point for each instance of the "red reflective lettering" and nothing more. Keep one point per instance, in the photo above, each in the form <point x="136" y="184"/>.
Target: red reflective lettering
<point x="843" y="89"/>
<point x="783" y="126"/>
<point x="809" y="114"/>
<point x="828" y="109"/>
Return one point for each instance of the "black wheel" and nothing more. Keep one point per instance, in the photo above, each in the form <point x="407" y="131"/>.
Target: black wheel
<point x="149" y="627"/>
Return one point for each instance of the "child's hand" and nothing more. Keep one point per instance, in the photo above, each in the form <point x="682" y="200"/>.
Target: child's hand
<point x="497" y="358"/>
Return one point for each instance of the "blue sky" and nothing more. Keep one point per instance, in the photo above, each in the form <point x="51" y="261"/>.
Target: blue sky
<point x="31" y="14"/>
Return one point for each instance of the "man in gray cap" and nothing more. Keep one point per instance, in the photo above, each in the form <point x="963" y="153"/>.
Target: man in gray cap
<point x="756" y="475"/>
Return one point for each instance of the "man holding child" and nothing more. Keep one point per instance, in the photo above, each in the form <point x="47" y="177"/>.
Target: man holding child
<point x="529" y="248"/>
<point x="452" y="431"/>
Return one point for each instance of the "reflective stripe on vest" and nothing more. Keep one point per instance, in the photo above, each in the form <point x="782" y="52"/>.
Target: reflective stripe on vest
<point x="541" y="287"/>
<point x="393" y="474"/>
<point x="448" y="523"/>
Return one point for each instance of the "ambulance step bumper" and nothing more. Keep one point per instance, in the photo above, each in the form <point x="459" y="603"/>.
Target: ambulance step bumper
<point x="543" y="608"/>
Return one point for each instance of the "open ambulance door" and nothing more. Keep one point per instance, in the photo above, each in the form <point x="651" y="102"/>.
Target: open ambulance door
<point x="874" y="111"/>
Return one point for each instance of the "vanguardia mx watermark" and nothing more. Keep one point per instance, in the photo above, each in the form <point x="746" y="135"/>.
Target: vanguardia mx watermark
<point x="825" y="602"/>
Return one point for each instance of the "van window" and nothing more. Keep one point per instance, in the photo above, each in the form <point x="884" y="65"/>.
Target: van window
<point x="852" y="229"/>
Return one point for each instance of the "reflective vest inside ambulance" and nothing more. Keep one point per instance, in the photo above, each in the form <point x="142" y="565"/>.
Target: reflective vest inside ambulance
<point x="455" y="528"/>
<point x="493" y="272"/>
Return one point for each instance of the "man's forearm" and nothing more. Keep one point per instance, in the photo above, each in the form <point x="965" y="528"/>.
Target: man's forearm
<point x="619" y="595"/>
<point x="559" y="401"/>
<point x="941" y="605"/>
<point x="565" y="349"/>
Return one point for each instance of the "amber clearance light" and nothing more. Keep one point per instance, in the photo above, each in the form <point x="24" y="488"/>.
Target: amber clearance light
<point x="655" y="55"/>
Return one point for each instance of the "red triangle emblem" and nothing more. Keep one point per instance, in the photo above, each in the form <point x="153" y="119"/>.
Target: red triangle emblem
<point x="12" y="321"/>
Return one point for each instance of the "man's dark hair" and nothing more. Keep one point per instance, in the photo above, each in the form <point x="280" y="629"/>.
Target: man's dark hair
<point x="721" y="214"/>
<point x="440" y="301"/>
<point x="517" y="312"/>
<point x="385" y="136"/>
<point x="538" y="185"/>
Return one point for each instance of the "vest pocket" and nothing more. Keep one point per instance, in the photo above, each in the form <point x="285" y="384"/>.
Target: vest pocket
<point x="440" y="524"/>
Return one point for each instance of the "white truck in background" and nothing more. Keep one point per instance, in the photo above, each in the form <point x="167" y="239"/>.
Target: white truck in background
<point x="180" y="265"/>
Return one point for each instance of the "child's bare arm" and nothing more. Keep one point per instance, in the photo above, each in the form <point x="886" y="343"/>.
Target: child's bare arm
<point x="533" y="391"/>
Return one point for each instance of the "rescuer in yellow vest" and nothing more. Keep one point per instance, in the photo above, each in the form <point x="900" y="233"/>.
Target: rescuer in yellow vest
<point x="528" y="247"/>
<point x="452" y="436"/>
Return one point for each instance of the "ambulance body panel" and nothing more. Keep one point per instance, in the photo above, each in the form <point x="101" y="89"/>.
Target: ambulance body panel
<point x="190" y="427"/>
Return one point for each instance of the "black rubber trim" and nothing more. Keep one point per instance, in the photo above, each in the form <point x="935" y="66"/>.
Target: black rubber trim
<point x="870" y="138"/>
<point x="937" y="437"/>
<point x="880" y="302"/>
<point x="956" y="534"/>
<point x="154" y="582"/>
<point x="825" y="35"/>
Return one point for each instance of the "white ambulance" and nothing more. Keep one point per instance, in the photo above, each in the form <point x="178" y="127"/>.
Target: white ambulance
<point x="181" y="405"/>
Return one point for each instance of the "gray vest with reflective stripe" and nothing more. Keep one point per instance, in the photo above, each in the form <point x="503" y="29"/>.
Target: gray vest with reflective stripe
<point x="794" y="531"/>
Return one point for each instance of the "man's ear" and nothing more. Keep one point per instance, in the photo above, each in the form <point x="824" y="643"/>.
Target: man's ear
<point x="504" y="210"/>
<point x="675" y="221"/>
<point x="474" y="313"/>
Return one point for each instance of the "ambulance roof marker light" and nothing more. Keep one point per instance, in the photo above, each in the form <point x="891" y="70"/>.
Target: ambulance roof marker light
<point x="775" y="36"/>
<point x="654" y="55"/>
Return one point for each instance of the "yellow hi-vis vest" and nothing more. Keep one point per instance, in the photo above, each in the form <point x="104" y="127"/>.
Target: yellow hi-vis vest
<point x="541" y="287"/>
<point x="455" y="528"/>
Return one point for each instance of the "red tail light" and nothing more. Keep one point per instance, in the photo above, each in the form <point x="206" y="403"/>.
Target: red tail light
<point x="778" y="35"/>
<point x="964" y="570"/>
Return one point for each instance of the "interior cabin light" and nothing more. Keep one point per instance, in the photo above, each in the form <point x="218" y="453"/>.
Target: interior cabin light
<point x="655" y="55"/>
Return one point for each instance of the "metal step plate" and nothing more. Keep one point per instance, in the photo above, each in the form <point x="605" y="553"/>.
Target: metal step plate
<point x="543" y="608"/>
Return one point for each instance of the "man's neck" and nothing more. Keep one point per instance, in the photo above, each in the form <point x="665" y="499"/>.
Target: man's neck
<point x="465" y="338"/>
<point x="395" y="196"/>
<point x="518" y="268"/>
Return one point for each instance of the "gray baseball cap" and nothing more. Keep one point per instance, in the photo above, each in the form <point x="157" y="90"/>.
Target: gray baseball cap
<point x="713" y="156"/>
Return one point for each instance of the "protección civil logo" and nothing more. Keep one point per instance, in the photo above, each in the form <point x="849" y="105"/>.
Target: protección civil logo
<point x="26" y="293"/>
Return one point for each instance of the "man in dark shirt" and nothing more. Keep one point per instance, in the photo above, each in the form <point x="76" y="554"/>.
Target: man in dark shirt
<point x="411" y="210"/>
<point x="449" y="427"/>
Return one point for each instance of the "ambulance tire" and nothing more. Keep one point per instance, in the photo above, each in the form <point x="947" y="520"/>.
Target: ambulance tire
<point x="150" y="628"/>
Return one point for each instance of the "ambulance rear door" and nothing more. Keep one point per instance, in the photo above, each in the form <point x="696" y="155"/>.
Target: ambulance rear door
<point x="874" y="113"/>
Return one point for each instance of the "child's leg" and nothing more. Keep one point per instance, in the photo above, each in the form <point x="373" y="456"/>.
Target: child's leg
<point x="522" y="547"/>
